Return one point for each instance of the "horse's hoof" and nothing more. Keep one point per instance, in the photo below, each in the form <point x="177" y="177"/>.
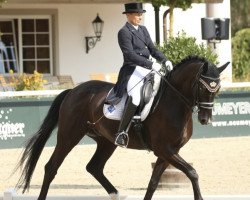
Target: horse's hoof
<point x="114" y="196"/>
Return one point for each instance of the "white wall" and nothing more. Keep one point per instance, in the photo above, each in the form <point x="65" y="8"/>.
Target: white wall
<point x="105" y="56"/>
<point x="190" y="21"/>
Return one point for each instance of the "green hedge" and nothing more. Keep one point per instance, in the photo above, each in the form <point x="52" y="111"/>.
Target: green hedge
<point x="181" y="46"/>
<point x="241" y="55"/>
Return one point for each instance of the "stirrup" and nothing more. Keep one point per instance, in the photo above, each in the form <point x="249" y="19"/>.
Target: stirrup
<point x="124" y="135"/>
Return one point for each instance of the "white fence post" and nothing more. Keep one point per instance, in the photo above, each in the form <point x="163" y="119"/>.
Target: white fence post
<point x="8" y="194"/>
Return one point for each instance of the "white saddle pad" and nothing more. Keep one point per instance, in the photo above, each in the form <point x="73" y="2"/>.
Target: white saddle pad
<point x="115" y="112"/>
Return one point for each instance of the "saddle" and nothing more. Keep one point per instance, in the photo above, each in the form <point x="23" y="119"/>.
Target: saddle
<point x="146" y="91"/>
<point x="114" y="106"/>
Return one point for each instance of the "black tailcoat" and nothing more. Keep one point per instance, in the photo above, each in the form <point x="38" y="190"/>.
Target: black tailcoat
<point x="136" y="46"/>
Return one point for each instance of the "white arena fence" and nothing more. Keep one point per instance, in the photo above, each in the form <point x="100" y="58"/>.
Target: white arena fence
<point x="226" y="85"/>
<point x="29" y="93"/>
<point x="8" y="94"/>
<point x="11" y="195"/>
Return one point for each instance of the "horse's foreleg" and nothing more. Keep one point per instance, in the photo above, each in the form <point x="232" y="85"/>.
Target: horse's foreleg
<point x="177" y="161"/>
<point x="159" y="168"/>
<point x="96" y="165"/>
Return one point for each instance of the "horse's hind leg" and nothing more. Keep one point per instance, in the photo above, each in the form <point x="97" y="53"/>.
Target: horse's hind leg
<point x="63" y="147"/>
<point x="96" y="165"/>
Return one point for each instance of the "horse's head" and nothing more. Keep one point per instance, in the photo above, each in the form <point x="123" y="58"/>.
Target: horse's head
<point x="207" y="86"/>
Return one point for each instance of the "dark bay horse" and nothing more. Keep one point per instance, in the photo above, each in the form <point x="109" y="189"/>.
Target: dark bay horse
<point x="193" y="82"/>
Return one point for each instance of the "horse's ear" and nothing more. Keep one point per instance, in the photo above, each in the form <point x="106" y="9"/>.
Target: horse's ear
<point x="223" y="67"/>
<point x="205" y="68"/>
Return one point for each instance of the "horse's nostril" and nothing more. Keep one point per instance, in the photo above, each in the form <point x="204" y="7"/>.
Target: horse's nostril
<point x="203" y="121"/>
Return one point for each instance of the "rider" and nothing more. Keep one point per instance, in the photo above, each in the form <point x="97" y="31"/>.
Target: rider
<point x="137" y="46"/>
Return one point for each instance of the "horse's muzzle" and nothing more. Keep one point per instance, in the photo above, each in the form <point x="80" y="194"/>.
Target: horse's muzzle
<point x="204" y="117"/>
<point x="204" y="121"/>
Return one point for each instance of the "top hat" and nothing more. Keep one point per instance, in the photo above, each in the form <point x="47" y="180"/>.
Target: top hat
<point x="133" y="8"/>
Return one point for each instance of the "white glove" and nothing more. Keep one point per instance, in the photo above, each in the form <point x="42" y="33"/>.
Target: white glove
<point x="169" y="65"/>
<point x="156" y="66"/>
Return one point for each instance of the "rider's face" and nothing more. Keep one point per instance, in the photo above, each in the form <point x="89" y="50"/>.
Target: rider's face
<point x="134" y="18"/>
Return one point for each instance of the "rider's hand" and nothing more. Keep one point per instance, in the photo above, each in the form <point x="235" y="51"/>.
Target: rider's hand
<point x="169" y="66"/>
<point x="156" y="66"/>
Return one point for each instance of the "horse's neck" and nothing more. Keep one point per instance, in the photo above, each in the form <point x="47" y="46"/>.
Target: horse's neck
<point x="184" y="78"/>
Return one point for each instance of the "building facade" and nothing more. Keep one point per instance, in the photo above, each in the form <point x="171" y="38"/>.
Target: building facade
<point x="49" y="35"/>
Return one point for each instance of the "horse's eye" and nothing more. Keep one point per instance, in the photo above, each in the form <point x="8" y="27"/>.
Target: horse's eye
<point x="203" y="87"/>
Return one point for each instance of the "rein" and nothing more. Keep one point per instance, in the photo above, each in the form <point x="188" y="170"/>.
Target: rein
<point x="182" y="97"/>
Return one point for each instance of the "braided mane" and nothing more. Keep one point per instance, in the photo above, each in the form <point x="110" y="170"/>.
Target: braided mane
<point x="211" y="71"/>
<point x="189" y="59"/>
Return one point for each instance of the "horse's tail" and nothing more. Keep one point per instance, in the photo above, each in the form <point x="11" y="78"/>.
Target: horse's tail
<point x="36" y="143"/>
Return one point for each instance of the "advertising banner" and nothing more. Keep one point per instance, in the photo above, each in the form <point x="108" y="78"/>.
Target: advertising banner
<point x="231" y="116"/>
<point x="20" y="118"/>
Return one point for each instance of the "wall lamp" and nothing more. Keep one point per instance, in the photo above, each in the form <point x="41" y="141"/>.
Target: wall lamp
<point x="91" y="40"/>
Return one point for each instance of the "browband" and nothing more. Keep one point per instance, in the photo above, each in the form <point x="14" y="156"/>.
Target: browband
<point x="213" y="85"/>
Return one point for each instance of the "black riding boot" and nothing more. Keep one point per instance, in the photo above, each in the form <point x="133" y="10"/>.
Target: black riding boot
<point x="129" y="112"/>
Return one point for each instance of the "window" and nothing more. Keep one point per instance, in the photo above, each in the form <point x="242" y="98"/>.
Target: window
<point x="8" y="50"/>
<point x="25" y="45"/>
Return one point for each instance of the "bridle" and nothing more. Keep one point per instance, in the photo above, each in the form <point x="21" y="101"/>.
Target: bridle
<point x="210" y="83"/>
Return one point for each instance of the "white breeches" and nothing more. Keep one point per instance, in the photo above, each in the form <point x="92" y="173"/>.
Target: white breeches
<point x="135" y="84"/>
